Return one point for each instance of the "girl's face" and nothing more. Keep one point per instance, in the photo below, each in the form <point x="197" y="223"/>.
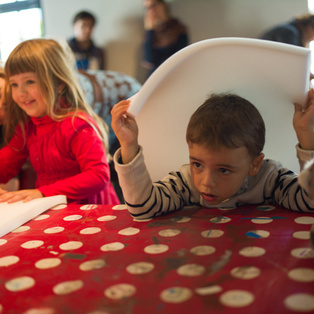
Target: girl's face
<point x="2" y="111"/>
<point x="26" y="93"/>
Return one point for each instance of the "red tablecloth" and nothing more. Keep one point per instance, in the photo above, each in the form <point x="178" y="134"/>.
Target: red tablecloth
<point x="97" y="259"/>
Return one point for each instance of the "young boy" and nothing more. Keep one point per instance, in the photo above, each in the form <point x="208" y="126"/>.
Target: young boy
<point x="225" y="137"/>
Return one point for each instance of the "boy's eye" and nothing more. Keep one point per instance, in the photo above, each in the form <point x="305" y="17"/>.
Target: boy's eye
<point x="197" y="165"/>
<point x="224" y="170"/>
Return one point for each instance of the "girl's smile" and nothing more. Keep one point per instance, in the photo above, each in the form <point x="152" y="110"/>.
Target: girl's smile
<point x="26" y="93"/>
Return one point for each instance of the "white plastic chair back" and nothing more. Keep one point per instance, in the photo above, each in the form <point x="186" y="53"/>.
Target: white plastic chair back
<point x="269" y="74"/>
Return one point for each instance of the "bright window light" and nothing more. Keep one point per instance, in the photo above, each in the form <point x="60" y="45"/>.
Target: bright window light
<point x="17" y="26"/>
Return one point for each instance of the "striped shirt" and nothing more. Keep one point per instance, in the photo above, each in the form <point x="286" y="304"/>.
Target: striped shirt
<point x="272" y="185"/>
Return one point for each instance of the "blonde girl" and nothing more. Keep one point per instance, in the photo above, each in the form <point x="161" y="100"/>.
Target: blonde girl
<point x="49" y="122"/>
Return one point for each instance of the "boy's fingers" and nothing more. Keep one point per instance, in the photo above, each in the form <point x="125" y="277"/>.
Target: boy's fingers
<point x="310" y="98"/>
<point x="120" y="104"/>
<point x="297" y="107"/>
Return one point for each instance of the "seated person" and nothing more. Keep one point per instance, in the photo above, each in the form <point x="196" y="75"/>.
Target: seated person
<point x="164" y="34"/>
<point x="13" y="184"/>
<point x="87" y="54"/>
<point x="225" y="137"/>
<point x="299" y="31"/>
<point x="49" y="122"/>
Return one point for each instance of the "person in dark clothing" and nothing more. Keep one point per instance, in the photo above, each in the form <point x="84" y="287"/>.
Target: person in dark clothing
<point x="164" y="35"/>
<point x="88" y="56"/>
<point x="298" y="32"/>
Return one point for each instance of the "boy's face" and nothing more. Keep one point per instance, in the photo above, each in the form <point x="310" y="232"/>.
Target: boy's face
<point x="83" y="29"/>
<point x="219" y="173"/>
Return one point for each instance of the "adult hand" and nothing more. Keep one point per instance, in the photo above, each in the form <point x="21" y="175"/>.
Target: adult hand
<point x="149" y="20"/>
<point x="21" y="195"/>
<point x="156" y="14"/>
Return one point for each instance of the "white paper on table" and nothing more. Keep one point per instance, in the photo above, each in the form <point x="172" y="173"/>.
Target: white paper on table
<point x="16" y="214"/>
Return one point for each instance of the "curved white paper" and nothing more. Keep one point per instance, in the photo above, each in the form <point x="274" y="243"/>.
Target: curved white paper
<point x="16" y="214"/>
<point x="269" y="74"/>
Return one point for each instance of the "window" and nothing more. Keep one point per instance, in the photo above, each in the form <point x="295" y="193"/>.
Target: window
<point x="19" y="20"/>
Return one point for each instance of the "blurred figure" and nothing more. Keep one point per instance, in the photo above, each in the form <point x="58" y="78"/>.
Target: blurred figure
<point x="13" y="184"/>
<point x="2" y="109"/>
<point x="298" y="32"/>
<point x="164" y="34"/>
<point x="88" y="56"/>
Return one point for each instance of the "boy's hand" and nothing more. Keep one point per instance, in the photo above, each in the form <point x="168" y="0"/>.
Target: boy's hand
<point x="126" y="130"/>
<point x="303" y="122"/>
<point x="22" y="195"/>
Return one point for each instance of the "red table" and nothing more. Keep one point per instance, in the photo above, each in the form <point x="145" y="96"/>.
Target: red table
<point x="97" y="259"/>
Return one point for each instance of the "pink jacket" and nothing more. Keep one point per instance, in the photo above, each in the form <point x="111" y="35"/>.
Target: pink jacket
<point x="67" y="156"/>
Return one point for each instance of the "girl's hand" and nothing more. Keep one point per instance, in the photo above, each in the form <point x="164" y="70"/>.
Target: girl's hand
<point x="125" y="127"/>
<point x="22" y="195"/>
<point x="303" y="122"/>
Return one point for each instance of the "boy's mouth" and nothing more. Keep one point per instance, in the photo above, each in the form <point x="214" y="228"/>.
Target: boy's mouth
<point x="209" y="198"/>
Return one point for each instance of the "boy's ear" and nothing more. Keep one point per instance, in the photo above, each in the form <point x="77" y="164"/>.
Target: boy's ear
<point x="256" y="164"/>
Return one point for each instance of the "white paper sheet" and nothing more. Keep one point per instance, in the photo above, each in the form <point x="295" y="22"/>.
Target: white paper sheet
<point x="16" y="214"/>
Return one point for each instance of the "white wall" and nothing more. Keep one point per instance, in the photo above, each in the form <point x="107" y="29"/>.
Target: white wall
<point x="120" y="26"/>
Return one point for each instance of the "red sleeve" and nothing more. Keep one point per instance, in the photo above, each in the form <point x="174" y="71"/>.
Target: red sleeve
<point x="89" y="151"/>
<point x="12" y="157"/>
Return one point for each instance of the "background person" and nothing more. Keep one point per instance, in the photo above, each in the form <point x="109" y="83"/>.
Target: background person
<point x="298" y="32"/>
<point x="88" y="55"/>
<point x="164" y="35"/>
<point x="13" y="184"/>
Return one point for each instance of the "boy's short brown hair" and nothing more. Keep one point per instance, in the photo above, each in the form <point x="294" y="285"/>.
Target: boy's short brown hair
<point x="84" y="15"/>
<point x="227" y="120"/>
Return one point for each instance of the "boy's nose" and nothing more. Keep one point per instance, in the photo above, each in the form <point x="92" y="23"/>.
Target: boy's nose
<point x="209" y="179"/>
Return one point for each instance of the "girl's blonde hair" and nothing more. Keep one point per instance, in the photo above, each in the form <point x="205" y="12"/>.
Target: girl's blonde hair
<point x="2" y="75"/>
<point x="57" y="81"/>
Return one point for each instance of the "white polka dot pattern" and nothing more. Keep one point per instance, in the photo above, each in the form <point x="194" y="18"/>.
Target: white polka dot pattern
<point x="195" y="260"/>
